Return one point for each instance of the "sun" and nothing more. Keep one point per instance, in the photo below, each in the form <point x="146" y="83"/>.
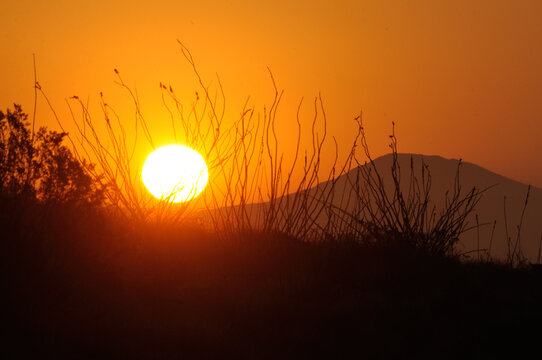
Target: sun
<point x="175" y="173"/>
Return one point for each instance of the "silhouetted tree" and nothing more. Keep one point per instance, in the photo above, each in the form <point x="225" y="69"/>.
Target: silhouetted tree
<point x="16" y="152"/>
<point x="39" y="166"/>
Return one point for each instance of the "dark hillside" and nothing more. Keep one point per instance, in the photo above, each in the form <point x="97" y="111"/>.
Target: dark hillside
<point x="81" y="280"/>
<point x="76" y="283"/>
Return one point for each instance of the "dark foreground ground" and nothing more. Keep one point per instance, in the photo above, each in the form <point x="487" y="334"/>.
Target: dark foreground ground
<point x="76" y="285"/>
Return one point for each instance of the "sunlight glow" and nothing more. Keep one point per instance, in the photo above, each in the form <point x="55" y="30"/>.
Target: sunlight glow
<point x="175" y="173"/>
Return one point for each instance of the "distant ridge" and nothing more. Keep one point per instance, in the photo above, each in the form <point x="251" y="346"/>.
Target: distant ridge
<point x="490" y="207"/>
<point x="474" y="243"/>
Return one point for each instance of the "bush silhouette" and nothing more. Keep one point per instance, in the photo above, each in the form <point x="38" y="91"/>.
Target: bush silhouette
<point x="38" y="166"/>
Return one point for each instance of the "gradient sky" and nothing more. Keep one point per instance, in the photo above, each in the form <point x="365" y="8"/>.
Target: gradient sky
<point x="459" y="78"/>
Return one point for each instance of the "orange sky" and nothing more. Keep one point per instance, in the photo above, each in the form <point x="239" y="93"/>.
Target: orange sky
<point x="459" y="78"/>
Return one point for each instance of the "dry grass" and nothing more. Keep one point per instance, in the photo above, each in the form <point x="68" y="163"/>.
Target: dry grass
<point x="256" y="189"/>
<point x="401" y="213"/>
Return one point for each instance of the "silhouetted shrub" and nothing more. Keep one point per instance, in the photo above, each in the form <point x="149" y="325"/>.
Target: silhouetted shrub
<point x="38" y="166"/>
<point x="387" y="210"/>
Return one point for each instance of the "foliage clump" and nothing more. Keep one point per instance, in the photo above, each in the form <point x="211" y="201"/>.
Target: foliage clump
<point x="36" y="165"/>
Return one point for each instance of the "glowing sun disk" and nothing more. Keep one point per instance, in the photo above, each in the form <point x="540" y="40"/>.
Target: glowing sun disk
<point x="175" y="173"/>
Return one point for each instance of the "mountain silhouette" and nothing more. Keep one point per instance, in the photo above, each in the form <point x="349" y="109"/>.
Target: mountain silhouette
<point x="490" y="209"/>
<point x="488" y="238"/>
